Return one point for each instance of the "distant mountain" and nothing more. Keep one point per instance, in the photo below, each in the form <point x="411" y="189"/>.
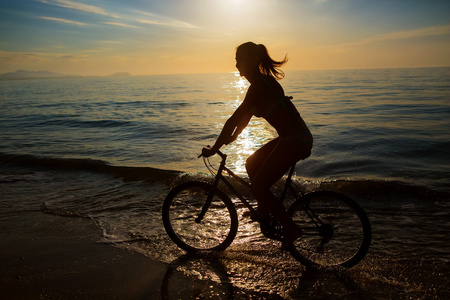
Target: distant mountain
<point x="24" y="74"/>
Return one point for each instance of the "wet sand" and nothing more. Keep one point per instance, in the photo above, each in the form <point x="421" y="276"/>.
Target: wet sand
<point x="44" y="256"/>
<point x="52" y="257"/>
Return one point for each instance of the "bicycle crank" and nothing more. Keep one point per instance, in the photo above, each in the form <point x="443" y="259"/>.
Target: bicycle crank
<point x="271" y="229"/>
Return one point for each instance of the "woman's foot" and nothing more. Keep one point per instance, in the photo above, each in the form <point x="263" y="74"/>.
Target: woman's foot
<point x="258" y="216"/>
<point x="291" y="237"/>
<point x="247" y="214"/>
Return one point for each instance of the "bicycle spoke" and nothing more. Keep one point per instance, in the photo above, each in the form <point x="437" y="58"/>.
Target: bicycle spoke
<point x="336" y="230"/>
<point x="194" y="225"/>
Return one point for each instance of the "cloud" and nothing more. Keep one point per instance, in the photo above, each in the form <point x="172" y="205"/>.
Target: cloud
<point x="393" y="36"/>
<point x="410" y="34"/>
<point x="112" y="42"/>
<point x="73" y="57"/>
<point x="63" y="21"/>
<point x="148" y="18"/>
<point x="173" y="23"/>
<point x="10" y="58"/>
<point x="152" y="19"/>
<point x="19" y="60"/>
<point x="120" y="24"/>
<point x="78" y="6"/>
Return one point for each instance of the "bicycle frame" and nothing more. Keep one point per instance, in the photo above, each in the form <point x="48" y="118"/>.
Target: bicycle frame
<point x="288" y="187"/>
<point x="221" y="178"/>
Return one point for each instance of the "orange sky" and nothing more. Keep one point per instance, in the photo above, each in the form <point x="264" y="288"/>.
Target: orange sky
<point x="163" y="37"/>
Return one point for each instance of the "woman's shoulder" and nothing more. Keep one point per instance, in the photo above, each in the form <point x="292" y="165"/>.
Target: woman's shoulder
<point x="263" y="82"/>
<point x="264" y="79"/>
<point x="268" y="84"/>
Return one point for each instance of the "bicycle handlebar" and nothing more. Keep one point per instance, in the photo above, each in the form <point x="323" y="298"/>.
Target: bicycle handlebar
<point x="220" y="153"/>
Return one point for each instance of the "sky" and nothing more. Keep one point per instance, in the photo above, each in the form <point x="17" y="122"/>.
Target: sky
<point x="102" y="37"/>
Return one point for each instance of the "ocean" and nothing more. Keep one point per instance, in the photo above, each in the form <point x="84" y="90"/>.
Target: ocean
<point x="110" y="148"/>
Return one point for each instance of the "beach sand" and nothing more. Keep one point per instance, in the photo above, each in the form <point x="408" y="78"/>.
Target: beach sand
<point x="43" y="256"/>
<point x="51" y="257"/>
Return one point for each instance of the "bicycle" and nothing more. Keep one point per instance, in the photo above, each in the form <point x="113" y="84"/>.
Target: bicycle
<point x="200" y="216"/>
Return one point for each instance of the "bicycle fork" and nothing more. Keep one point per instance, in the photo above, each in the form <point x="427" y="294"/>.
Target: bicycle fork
<point x="211" y="193"/>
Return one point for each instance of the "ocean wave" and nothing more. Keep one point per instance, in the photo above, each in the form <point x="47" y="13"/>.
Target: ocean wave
<point x="378" y="190"/>
<point x="128" y="173"/>
<point x="83" y="124"/>
<point x="384" y="191"/>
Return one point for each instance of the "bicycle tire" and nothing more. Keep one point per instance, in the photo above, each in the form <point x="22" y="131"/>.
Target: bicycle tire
<point x="343" y="238"/>
<point x="183" y="204"/>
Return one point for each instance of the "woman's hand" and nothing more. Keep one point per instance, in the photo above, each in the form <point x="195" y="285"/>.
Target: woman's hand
<point x="208" y="151"/>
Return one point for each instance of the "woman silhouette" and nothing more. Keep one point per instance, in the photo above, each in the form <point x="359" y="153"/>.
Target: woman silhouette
<point x="265" y="98"/>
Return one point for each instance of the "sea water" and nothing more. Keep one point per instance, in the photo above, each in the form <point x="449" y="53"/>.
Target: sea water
<point x="110" y="149"/>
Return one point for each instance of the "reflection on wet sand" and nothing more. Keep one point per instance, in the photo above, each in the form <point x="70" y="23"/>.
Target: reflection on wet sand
<point x="227" y="276"/>
<point x="213" y="276"/>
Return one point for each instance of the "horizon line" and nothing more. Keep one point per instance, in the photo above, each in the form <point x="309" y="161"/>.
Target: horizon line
<point x="128" y="74"/>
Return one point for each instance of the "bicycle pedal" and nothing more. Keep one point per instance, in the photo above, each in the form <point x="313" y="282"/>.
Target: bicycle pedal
<point x="254" y="218"/>
<point x="248" y="214"/>
<point x="272" y="229"/>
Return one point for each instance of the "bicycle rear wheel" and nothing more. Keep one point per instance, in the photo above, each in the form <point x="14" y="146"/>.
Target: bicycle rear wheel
<point x="336" y="230"/>
<point x="215" y="230"/>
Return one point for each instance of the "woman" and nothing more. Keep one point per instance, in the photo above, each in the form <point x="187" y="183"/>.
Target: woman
<point x="265" y="98"/>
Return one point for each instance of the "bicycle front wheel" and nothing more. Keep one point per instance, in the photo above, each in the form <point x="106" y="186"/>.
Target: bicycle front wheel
<point x="336" y="230"/>
<point x="194" y="223"/>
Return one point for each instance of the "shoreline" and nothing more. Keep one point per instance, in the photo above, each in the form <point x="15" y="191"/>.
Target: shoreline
<point x="53" y="257"/>
<point x="44" y="256"/>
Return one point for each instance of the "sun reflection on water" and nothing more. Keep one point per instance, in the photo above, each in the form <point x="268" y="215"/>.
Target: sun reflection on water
<point x="257" y="133"/>
<point x="240" y="84"/>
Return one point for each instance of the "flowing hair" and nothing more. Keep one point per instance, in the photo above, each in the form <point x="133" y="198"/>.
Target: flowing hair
<point x="267" y="65"/>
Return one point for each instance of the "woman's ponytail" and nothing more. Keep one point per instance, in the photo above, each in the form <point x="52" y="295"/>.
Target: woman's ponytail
<point x="267" y="65"/>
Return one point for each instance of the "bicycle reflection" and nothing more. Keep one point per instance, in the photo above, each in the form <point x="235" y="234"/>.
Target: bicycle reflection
<point x="206" y="276"/>
<point x="197" y="276"/>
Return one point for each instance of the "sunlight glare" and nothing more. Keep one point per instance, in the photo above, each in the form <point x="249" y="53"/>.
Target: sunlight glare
<point x="254" y="136"/>
<point x="241" y="84"/>
<point x="243" y="147"/>
<point x="240" y="11"/>
<point x="236" y="3"/>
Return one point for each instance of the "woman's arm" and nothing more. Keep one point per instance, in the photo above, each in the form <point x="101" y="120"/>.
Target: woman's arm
<point x="232" y="128"/>
<point x="239" y="128"/>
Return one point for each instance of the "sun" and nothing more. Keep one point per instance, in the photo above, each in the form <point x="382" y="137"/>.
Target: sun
<point x="236" y="6"/>
<point x="235" y="3"/>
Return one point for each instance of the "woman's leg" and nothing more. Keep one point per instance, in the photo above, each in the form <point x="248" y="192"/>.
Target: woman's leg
<point x="254" y="163"/>
<point x="273" y="160"/>
<point x="256" y="160"/>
